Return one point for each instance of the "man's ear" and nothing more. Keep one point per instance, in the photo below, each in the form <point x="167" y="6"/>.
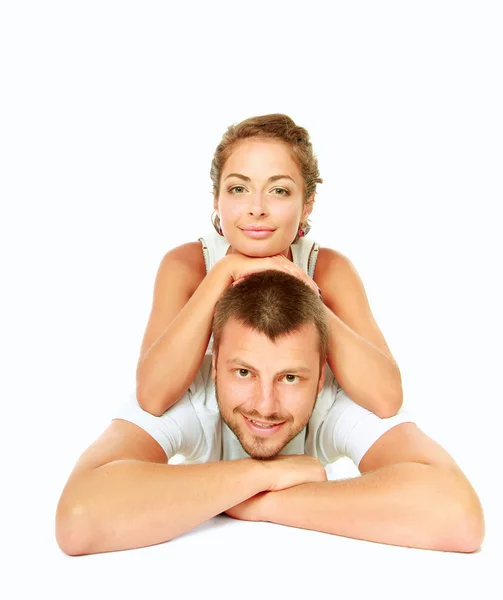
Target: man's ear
<point x="214" y="358"/>
<point x="322" y="377"/>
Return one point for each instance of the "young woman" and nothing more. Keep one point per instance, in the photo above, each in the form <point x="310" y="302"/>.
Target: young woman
<point x="264" y="174"/>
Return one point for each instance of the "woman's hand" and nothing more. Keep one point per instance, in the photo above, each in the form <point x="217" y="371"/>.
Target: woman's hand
<point x="240" y="266"/>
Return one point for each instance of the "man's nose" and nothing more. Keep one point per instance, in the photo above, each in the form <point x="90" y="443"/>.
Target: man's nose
<point x="265" y="400"/>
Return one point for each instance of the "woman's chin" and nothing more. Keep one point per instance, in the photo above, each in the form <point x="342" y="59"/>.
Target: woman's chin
<point x="258" y="250"/>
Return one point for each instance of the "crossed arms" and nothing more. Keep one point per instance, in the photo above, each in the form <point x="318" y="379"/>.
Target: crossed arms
<point x="122" y="494"/>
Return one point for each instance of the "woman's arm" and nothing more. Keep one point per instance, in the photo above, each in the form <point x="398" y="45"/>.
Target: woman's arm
<point x="364" y="372"/>
<point x="179" y="326"/>
<point x="358" y="354"/>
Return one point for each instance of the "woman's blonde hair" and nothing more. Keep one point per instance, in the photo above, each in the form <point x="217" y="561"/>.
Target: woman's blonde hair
<point x="276" y="127"/>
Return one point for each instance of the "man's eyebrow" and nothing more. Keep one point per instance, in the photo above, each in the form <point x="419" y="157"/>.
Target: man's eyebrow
<point x="270" y="180"/>
<point x="237" y="362"/>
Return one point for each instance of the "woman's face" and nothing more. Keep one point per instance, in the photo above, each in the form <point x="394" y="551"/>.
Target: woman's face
<point x="261" y="200"/>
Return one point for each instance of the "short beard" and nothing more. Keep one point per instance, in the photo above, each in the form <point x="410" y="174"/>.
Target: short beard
<point x="259" y="450"/>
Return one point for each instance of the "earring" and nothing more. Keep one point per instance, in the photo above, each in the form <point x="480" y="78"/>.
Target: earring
<point x="302" y="233"/>
<point x="215" y="219"/>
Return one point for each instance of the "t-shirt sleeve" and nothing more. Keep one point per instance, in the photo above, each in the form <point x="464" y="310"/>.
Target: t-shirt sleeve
<point x="349" y="430"/>
<point x="177" y="431"/>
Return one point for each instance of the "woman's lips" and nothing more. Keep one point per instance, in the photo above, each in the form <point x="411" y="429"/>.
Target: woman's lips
<point x="258" y="234"/>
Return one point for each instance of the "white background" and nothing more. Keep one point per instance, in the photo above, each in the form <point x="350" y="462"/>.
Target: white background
<point x="110" y="114"/>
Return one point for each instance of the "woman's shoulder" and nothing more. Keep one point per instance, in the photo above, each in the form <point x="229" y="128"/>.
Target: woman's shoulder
<point x="331" y="268"/>
<point x="187" y="261"/>
<point x="328" y="258"/>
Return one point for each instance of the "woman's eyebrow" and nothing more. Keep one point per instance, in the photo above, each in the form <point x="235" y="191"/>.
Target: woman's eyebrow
<point x="270" y="180"/>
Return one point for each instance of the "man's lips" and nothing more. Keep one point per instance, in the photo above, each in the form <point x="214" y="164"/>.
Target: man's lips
<point x="264" y="422"/>
<point x="263" y="431"/>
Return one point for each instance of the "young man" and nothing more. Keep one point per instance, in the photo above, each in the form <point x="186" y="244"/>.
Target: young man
<point x="258" y="424"/>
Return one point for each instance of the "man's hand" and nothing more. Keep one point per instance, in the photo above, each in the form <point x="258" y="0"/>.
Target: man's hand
<point x="249" y="510"/>
<point x="288" y="470"/>
<point x="284" y="471"/>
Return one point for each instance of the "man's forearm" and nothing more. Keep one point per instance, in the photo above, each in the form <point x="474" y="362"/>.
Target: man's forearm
<point x="130" y="504"/>
<point x="407" y="504"/>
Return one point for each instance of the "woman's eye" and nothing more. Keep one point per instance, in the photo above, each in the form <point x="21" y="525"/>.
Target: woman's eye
<point x="239" y="189"/>
<point x="291" y="378"/>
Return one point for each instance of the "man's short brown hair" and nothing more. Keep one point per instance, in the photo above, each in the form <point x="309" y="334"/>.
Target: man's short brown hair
<point x="273" y="303"/>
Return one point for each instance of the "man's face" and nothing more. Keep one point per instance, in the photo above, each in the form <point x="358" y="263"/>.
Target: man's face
<point x="266" y="382"/>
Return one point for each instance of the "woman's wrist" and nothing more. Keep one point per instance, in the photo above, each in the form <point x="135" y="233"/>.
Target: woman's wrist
<point x="222" y="272"/>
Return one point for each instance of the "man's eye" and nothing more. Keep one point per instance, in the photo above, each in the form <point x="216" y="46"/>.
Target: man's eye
<point x="291" y="378"/>
<point x="243" y="373"/>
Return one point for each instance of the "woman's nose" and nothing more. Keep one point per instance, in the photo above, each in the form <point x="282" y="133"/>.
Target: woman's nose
<point x="258" y="205"/>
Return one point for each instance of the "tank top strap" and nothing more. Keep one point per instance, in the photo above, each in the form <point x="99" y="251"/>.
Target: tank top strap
<point x="305" y="255"/>
<point x="214" y="248"/>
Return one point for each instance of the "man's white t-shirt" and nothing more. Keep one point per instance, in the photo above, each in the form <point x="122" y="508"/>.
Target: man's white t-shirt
<point x="194" y="429"/>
